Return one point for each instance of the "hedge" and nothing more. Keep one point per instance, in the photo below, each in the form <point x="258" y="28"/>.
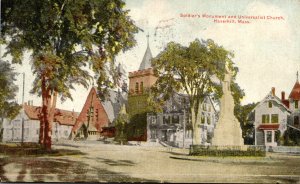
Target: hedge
<point x="223" y="151"/>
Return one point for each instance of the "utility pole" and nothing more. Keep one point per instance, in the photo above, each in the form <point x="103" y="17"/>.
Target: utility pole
<point x="22" y="139"/>
<point x="183" y="128"/>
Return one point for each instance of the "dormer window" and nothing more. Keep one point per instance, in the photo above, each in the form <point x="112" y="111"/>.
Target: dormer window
<point x="270" y="104"/>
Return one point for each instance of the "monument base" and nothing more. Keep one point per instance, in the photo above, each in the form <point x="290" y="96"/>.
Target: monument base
<point x="228" y="132"/>
<point x="223" y="151"/>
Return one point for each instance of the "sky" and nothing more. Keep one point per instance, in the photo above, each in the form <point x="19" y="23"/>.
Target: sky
<point x="267" y="51"/>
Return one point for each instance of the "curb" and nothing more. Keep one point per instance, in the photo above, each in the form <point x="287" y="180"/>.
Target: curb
<point x="225" y="160"/>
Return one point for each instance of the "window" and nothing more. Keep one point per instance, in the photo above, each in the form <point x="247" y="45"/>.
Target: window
<point x="296" y="120"/>
<point x="296" y="104"/>
<point x="208" y="120"/>
<point x="274" y="118"/>
<point x="175" y="119"/>
<point x="265" y="118"/>
<point x="37" y="131"/>
<point x="136" y="87"/>
<point x="142" y="87"/>
<point x="204" y="106"/>
<point x="97" y="114"/>
<point x="270" y="104"/>
<point x="269" y="136"/>
<point x="166" y="120"/>
<point x="153" y="120"/>
<point x="202" y="118"/>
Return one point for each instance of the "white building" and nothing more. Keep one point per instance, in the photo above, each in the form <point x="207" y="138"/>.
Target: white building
<point x="274" y="115"/>
<point x="170" y="127"/>
<point x="271" y="116"/>
<point x="29" y="115"/>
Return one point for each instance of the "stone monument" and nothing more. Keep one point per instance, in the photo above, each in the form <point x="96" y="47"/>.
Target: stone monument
<point x="228" y="131"/>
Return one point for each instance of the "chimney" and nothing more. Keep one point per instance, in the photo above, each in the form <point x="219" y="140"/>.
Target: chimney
<point x="282" y="95"/>
<point x="273" y="91"/>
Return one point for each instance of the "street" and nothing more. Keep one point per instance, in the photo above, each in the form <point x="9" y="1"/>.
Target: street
<point x="99" y="162"/>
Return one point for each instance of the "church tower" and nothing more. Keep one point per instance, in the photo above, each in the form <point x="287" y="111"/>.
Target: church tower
<point x="140" y="82"/>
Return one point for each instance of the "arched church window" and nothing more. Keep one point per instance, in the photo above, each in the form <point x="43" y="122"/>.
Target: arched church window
<point x="136" y="87"/>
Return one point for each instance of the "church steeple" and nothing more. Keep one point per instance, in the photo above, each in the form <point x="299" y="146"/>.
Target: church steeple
<point x="146" y="62"/>
<point x="295" y="93"/>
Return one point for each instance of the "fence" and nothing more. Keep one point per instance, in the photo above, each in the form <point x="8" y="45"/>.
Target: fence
<point x="285" y="149"/>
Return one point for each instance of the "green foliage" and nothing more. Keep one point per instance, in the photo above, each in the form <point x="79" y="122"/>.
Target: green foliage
<point x="242" y="113"/>
<point x="63" y="36"/>
<point x="191" y="69"/>
<point x="197" y="150"/>
<point x="66" y="35"/>
<point x="137" y="109"/>
<point x="8" y="90"/>
<point x="121" y="126"/>
<point x="195" y="70"/>
<point x="291" y="137"/>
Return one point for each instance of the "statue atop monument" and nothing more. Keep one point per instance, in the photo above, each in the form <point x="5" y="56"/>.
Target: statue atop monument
<point x="228" y="131"/>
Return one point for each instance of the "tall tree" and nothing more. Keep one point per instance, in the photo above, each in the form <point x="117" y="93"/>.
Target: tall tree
<point x="8" y="107"/>
<point x="63" y="36"/>
<point x="244" y="115"/>
<point x="194" y="70"/>
<point x="121" y="125"/>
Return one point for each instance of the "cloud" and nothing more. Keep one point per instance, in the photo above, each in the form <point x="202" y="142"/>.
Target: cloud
<point x="150" y="12"/>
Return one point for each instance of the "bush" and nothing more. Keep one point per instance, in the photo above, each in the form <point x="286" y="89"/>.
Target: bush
<point x="291" y="137"/>
<point x="198" y="150"/>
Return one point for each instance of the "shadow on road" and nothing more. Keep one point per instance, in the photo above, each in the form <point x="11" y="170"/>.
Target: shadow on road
<point x="55" y="169"/>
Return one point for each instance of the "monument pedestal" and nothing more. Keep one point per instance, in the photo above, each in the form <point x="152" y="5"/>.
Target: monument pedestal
<point x="228" y="131"/>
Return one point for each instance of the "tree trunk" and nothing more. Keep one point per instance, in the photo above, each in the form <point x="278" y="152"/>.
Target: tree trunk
<point x="44" y="113"/>
<point x="196" y="126"/>
<point x="49" y="122"/>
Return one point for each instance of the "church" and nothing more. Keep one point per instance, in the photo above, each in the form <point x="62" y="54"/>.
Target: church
<point x="171" y="127"/>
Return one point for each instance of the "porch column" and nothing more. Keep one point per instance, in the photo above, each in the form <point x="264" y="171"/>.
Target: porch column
<point x="273" y="137"/>
<point x="265" y="136"/>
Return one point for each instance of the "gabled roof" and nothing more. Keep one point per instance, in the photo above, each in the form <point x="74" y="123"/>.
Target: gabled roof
<point x="270" y="96"/>
<point x="113" y="104"/>
<point x="92" y="100"/>
<point x="146" y="62"/>
<point x="63" y="117"/>
<point x="295" y="93"/>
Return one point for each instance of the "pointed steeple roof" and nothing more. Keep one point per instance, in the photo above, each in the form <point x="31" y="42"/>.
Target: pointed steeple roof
<point x="146" y="62"/>
<point x="295" y="93"/>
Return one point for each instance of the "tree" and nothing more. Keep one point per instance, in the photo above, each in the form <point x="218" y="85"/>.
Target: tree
<point x="121" y="126"/>
<point x="243" y="113"/>
<point x="8" y="108"/>
<point x="194" y="70"/>
<point x="64" y="36"/>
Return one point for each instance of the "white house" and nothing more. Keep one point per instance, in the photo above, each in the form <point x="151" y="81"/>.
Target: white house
<point x="29" y="115"/>
<point x="271" y="115"/>
<point x="171" y="128"/>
